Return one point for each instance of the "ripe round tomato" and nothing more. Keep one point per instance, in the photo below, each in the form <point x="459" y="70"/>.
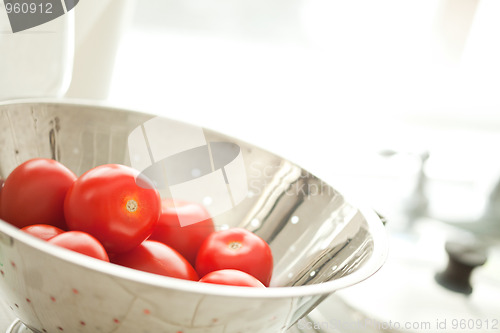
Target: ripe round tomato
<point x="158" y="258"/>
<point x="34" y="192"/>
<point x="43" y="231"/>
<point x="185" y="239"/>
<point x="236" y="248"/>
<point x="232" y="277"/>
<point x="80" y="242"/>
<point x="115" y="204"/>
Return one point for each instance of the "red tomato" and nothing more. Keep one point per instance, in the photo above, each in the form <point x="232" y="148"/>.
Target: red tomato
<point x="108" y="203"/>
<point x="158" y="258"/>
<point x="184" y="239"/>
<point x="232" y="277"/>
<point x="236" y="248"/>
<point x="43" y="231"/>
<point x="80" y="242"/>
<point x="34" y="193"/>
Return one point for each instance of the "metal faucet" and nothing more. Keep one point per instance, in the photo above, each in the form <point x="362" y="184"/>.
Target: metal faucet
<point x="486" y="226"/>
<point x="416" y="204"/>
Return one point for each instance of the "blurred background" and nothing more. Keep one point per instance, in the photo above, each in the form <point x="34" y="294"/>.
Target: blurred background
<point x="363" y="89"/>
<point x="394" y="102"/>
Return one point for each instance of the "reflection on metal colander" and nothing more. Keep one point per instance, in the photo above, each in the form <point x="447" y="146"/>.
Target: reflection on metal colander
<point x="184" y="166"/>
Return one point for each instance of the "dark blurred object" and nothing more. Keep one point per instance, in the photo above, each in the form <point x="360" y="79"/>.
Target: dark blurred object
<point x="462" y="259"/>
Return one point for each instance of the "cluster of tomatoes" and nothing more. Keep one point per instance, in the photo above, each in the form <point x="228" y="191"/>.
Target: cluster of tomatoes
<point x="113" y="213"/>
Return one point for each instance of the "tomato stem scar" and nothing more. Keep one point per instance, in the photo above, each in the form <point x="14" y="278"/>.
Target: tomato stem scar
<point x="132" y="205"/>
<point x="235" y="245"/>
